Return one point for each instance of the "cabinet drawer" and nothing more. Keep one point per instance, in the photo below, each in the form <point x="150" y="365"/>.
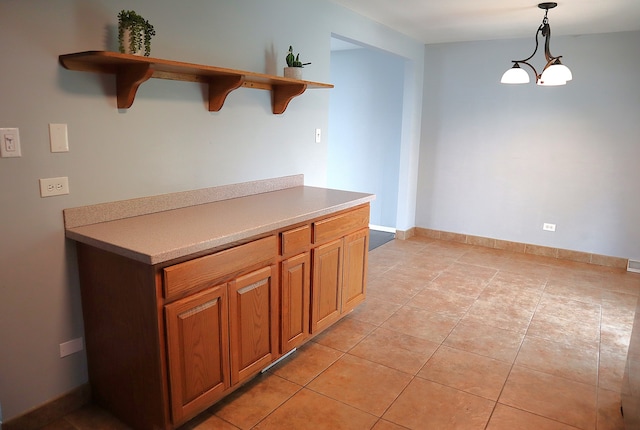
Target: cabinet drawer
<point x="339" y="225"/>
<point x="199" y="272"/>
<point x="296" y="241"/>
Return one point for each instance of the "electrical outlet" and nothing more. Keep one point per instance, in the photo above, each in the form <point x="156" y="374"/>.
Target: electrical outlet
<point x="318" y="135"/>
<point x="54" y="186"/>
<point x="548" y="227"/>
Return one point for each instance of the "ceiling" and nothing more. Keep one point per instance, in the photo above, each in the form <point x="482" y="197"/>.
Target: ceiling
<point x="431" y="21"/>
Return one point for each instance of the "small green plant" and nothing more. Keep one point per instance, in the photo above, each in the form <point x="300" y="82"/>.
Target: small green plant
<point x="294" y="61"/>
<point x="140" y="32"/>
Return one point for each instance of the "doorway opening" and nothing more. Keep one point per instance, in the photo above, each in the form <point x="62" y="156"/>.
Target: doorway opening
<point x="365" y="125"/>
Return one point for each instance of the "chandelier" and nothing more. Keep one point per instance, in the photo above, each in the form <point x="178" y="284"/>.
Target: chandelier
<point x="553" y="73"/>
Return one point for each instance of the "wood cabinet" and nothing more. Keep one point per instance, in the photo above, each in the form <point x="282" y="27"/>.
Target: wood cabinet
<point x="198" y="350"/>
<point x="295" y="287"/>
<point x="225" y="334"/>
<point x="253" y="313"/>
<point x="166" y="341"/>
<point x="124" y="337"/>
<point x="327" y="285"/>
<point x="211" y="348"/>
<point x="339" y="267"/>
<point x="354" y="277"/>
<point x="339" y="278"/>
<point x="295" y="296"/>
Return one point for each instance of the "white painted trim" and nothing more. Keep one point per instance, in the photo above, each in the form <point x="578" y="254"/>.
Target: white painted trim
<point x="382" y="228"/>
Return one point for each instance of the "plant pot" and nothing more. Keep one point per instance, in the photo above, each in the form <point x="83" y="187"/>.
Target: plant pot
<point x="293" y="72"/>
<point x="126" y="38"/>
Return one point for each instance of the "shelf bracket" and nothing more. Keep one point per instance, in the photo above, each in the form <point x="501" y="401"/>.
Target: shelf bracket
<point x="219" y="89"/>
<point x="283" y="94"/>
<point x="128" y="79"/>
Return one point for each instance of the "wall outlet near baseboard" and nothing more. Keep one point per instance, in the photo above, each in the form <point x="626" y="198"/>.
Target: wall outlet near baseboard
<point x="548" y="227"/>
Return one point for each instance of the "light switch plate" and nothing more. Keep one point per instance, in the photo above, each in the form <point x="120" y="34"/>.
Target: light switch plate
<point x="10" y="143"/>
<point x="58" y="138"/>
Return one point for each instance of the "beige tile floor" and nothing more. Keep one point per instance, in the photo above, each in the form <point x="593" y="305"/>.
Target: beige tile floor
<point x="451" y="336"/>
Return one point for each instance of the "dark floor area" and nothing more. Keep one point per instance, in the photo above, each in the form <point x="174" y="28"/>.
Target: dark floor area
<point x="377" y="238"/>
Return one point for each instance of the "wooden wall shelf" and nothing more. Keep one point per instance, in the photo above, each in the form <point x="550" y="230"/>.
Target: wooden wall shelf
<point x="132" y="70"/>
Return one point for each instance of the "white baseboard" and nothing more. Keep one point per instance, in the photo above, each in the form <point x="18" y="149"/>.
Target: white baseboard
<point x="382" y="228"/>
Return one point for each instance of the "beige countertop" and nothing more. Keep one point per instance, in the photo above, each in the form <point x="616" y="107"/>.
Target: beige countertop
<point x="161" y="236"/>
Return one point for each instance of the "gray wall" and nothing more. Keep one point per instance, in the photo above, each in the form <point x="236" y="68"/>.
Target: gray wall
<point x="166" y="142"/>
<point x="499" y="161"/>
<point x="365" y="119"/>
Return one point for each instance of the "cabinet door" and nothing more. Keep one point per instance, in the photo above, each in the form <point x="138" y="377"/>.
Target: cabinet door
<point x="198" y="351"/>
<point x="294" y="301"/>
<point x="253" y="322"/>
<point x="356" y="247"/>
<point x="326" y="286"/>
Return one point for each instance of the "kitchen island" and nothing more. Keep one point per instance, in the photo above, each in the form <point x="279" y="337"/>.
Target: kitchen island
<point x="187" y="296"/>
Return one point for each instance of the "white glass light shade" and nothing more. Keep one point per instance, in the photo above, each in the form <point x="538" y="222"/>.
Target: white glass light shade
<point x="515" y="75"/>
<point x="555" y="73"/>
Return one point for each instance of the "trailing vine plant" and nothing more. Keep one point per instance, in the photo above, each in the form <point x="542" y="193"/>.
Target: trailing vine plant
<point x="140" y="32"/>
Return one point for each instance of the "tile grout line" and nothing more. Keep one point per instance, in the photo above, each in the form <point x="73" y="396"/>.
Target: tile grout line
<point x="413" y="377"/>
<point x="276" y="408"/>
<point x="513" y="363"/>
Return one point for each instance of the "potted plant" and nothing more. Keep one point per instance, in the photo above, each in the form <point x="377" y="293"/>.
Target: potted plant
<point x="294" y="65"/>
<point x="134" y="33"/>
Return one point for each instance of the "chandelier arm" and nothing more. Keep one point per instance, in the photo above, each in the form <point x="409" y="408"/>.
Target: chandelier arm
<point x="546" y="32"/>
<point x="537" y="44"/>
<point x="549" y="63"/>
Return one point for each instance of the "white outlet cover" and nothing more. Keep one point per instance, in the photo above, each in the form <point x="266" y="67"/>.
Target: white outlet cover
<point x="54" y="186"/>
